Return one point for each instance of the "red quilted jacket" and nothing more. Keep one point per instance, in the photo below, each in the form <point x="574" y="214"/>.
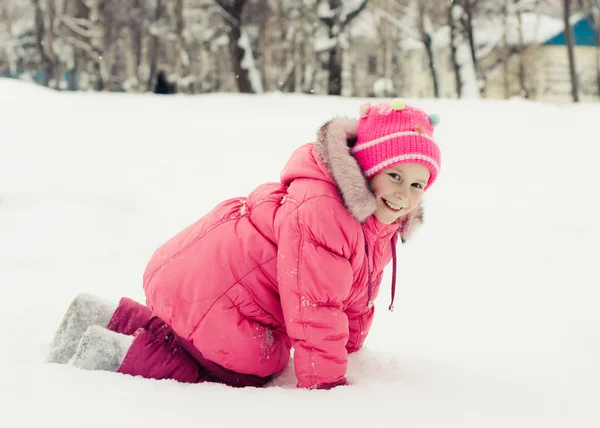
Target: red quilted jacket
<point x="293" y="264"/>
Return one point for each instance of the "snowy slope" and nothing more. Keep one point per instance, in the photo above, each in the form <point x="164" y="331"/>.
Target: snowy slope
<point x="496" y="321"/>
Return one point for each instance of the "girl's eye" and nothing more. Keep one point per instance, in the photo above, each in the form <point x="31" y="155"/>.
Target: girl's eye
<point x="417" y="185"/>
<point x="395" y="176"/>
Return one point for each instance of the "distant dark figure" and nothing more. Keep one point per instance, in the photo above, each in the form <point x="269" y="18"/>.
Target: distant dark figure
<point x="162" y="84"/>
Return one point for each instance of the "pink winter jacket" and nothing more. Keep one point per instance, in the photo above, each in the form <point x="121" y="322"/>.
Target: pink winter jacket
<point x="293" y="264"/>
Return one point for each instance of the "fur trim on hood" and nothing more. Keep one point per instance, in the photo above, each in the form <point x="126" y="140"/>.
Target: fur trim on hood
<point x="334" y="140"/>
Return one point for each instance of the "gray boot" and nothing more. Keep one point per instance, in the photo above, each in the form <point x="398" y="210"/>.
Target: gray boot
<point x="101" y="349"/>
<point x="85" y="310"/>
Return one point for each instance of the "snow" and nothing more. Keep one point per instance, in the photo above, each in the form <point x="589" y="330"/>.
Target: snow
<point x="324" y="11"/>
<point x="470" y="85"/>
<point x="496" y="320"/>
<point x="325" y="44"/>
<point x="383" y="86"/>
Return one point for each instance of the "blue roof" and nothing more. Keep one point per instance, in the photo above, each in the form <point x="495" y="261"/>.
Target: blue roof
<point x="584" y="33"/>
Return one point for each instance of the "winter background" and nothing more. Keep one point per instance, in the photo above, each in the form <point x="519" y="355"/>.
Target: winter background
<point x="496" y="321"/>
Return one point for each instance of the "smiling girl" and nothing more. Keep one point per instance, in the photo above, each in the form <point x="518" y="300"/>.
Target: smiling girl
<point x="295" y="264"/>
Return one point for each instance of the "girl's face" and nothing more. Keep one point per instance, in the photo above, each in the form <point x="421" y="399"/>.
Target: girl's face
<point x="398" y="190"/>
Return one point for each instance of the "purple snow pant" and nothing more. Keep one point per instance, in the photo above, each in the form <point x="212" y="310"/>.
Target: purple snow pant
<point x="157" y="352"/>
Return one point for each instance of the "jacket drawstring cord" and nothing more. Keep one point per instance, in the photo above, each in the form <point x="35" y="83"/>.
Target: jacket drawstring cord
<point x="394" y="269"/>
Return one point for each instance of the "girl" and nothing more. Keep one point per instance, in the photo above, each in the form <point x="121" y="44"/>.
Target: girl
<point x="295" y="264"/>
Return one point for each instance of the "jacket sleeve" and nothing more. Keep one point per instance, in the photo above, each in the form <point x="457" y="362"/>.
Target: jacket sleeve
<point x="360" y="318"/>
<point x="315" y="277"/>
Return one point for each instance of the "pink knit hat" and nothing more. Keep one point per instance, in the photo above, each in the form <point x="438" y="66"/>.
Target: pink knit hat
<point x="393" y="133"/>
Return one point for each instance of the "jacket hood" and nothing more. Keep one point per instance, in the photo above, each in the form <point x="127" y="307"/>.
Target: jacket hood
<point x="334" y="163"/>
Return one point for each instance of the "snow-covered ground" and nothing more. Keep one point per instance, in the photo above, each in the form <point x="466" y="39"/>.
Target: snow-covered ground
<point x="496" y="322"/>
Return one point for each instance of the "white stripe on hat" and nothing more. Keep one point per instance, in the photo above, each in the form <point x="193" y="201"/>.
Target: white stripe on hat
<point x="368" y="144"/>
<point x="396" y="159"/>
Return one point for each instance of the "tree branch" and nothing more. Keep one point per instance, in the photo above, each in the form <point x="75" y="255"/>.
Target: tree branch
<point x="353" y="14"/>
<point x="226" y="15"/>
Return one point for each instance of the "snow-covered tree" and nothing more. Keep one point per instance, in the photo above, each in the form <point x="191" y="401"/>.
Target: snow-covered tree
<point x="336" y="15"/>
<point x="17" y="36"/>
<point x="570" y="50"/>
<point x="427" y="32"/>
<point x="240" y="47"/>
<point x="594" y="8"/>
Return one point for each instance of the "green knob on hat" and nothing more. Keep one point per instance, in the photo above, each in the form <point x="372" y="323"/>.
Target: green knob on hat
<point x="434" y="119"/>
<point x="398" y="104"/>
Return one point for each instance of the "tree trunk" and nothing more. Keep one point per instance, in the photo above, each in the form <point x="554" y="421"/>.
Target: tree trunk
<point x="267" y="45"/>
<point x="80" y="11"/>
<point x="233" y="10"/>
<point x="99" y="26"/>
<point x="74" y="73"/>
<point x="40" y="40"/>
<point x="336" y="29"/>
<point x="154" y="46"/>
<point x="596" y="19"/>
<point x="138" y="41"/>
<point x="571" y="52"/>
<point x="432" y="66"/>
<point x="524" y="92"/>
<point x="424" y="27"/>
<point x="334" y="64"/>
<point x="284" y="50"/>
<point x="57" y="66"/>
<point x="469" y="9"/>
<point x="597" y="64"/>
<point x="453" y="50"/>
<point x="388" y="46"/>
<point x="183" y="58"/>
<point x="505" y="53"/>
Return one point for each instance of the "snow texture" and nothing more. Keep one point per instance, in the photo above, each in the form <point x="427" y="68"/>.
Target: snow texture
<point x="383" y="86"/>
<point x="325" y="44"/>
<point x="496" y="321"/>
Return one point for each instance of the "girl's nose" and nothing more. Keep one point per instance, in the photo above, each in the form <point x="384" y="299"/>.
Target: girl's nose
<point x="401" y="194"/>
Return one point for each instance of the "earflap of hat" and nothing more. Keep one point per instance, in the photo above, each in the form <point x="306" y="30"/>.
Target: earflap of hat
<point x="332" y="146"/>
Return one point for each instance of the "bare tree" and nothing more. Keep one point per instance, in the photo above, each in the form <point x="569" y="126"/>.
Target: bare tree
<point x="455" y="32"/>
<point x="138" y="46"/>
<point x="416" y="24"/>
<point x="73" y="31"/>
<point x="43" y="38"/>
<point x="426" y="30"/>
<point x="86" y="31"/>
<point x="470" y="9"/>
<point x="289" y="29"/>
<point x="505" y="47"/>
<point x="182" y="54"/>
<point x="570" y="50"/>
<point x="154" y="44"/>
<point x="232" y="14"/>
<point x="336" y="15"/>
<point x="594" y="8"/>
<point x="18" y="50"/>
<point x="512" y="19"/>
<point x="523" y="89"/>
